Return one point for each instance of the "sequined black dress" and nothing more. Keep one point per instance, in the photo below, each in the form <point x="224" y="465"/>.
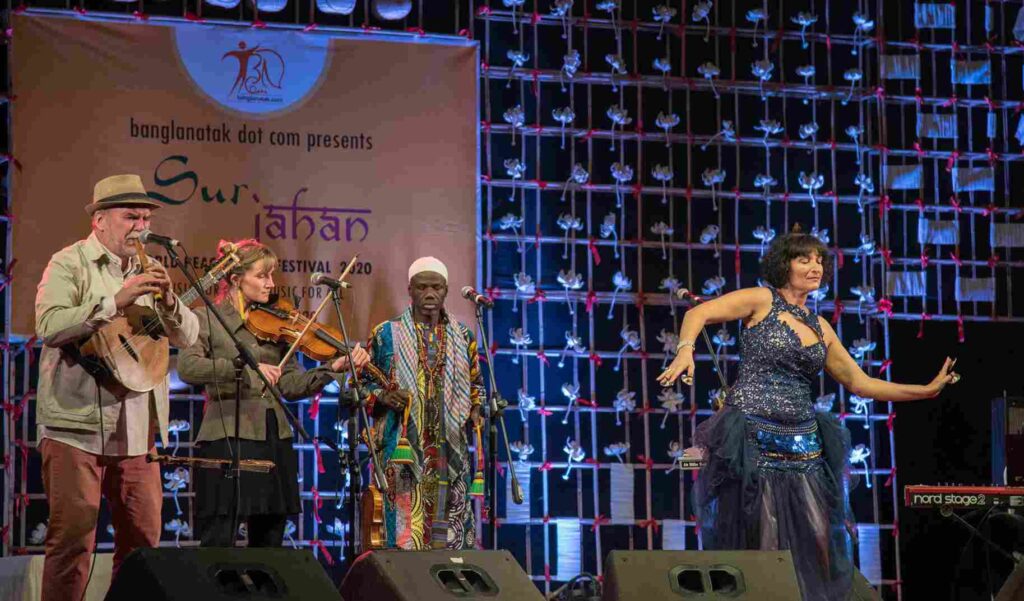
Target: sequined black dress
<point x="776" y="473"/>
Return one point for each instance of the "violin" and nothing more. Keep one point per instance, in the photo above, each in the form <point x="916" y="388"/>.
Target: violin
<point x="280" y="322"/>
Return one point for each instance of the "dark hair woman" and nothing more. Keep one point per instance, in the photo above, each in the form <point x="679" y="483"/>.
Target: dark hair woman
<point x="775" y="471"/>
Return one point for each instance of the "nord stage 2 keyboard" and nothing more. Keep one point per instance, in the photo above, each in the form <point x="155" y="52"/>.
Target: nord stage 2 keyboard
<point x="962" y="497"/>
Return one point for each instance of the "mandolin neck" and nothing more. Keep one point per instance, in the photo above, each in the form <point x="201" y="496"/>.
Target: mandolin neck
<point x="205" y="282"/>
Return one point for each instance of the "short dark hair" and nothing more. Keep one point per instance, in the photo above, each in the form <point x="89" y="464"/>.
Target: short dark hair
<point x="775" y="263"/>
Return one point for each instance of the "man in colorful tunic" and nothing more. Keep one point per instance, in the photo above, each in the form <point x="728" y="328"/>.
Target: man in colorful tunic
<point x="421" y="424"/>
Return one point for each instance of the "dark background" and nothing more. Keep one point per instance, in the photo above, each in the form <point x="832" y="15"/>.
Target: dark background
<point x="948" y="440"/>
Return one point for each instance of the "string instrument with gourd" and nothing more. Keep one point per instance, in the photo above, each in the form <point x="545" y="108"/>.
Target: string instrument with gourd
<point x="133" y="348"/>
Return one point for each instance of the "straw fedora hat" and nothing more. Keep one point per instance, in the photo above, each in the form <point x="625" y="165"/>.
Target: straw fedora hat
<point x="120" y="191"/>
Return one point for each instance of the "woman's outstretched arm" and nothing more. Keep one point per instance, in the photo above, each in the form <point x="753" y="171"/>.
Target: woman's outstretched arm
<point x="841" y="366"/>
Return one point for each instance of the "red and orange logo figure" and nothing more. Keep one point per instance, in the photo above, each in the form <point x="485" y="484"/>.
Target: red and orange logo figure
<point x="259" y="70"/>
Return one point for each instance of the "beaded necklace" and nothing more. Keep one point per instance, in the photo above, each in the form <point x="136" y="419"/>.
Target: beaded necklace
<point x="433" y="372"/>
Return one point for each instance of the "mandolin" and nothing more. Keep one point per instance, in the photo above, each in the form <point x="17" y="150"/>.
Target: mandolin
<point x="132" y="349"/>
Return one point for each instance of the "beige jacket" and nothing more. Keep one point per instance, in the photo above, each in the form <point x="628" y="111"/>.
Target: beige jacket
<point x="74" y="298"/>
<point x="210" y="362"/>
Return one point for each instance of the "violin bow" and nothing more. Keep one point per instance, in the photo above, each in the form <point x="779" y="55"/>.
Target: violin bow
<point x="311" y="319"/>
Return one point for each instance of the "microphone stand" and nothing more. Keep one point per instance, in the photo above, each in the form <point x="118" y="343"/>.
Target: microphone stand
<point x="356" y="417"/>
<point x="496" y="415"/>
<point x="235" y="471"/>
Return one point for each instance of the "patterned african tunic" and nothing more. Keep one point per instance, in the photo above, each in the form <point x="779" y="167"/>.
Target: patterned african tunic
<point x="428" y="503"/>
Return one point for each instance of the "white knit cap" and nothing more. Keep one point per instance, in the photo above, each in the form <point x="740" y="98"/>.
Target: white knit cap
<point x="428" y="264"/>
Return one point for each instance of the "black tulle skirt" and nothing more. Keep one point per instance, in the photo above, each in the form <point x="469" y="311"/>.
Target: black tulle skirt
<point x="276" y="492"/>
<point x="747" y="498"/>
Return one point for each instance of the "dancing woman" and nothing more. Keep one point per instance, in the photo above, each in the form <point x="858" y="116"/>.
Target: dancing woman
<point x="775" y="476"/>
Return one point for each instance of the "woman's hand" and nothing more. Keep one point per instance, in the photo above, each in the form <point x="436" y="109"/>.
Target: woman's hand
<point x="271" y="372"/>
<point x="946" y="376"/>
<point x="682" y="365"/>
<point x="359" y="356"/>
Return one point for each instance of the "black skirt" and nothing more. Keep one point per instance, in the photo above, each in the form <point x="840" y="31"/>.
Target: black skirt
<point x="274" y="493"/>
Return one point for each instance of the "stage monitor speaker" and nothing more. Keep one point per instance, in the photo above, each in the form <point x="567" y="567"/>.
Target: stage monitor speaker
<point x="704" y="575"/>
<point x="438" y="576"/>
<point x="221" y="574"/>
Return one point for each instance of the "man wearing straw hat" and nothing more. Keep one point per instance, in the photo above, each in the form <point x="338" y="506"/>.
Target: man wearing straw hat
<point x="93" y="434"/>
<point x="421" y="426"/>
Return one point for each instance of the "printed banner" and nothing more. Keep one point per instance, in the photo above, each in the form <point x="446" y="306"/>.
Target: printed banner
<point x="318" y="145"/>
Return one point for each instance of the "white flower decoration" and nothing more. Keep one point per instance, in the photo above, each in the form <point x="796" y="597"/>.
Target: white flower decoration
<point x="578" y="177"/>
<point x="526" y="403"/>
<point x="570" y="65"/>
<point x="524" y="286"/>
<point x="853" y="76"/>
<point x="701" y="11"/>
<point x="804" y="20"/>
<point x="620" y="117"/>
<point x="663" y="14"/>
<point x="710" y="71"/>
<point x="617" y="450"/>
<point x="564" y="116"/>
<point x="630" y="341"/>
<point x="662" y="173"/>
<point x="622" y="174"/>
<point x="712" y="178"/>
<point x="671" y="400"/>
<point x="667" y="122"/>
<point x="622" y="283"/>
<point x="625" y="401"/>
<point x="671" y="284"/>
<point x="863" y="25"/>
<point x="727" y="133"/>
<point x="762" y="70"/>
<point x="661" y="229"/>
<point x="519" y="339"/>
<point x="568" y="223"/>
<point x="811" y="182"/>
<point x="756" y="16"/>
<point x="609" y="229"/>
<point x="570" y="280"/>
<point x="574" y="344"/>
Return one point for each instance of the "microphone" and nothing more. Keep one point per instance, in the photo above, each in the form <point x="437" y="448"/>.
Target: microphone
<point x="319" y="279"/>
<point x="684" y="294"/>
<point x="469" y="293"/>
<point x="148" y="237"/>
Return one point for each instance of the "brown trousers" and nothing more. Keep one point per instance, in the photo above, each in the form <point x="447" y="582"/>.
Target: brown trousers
<point x="71" y="478"/>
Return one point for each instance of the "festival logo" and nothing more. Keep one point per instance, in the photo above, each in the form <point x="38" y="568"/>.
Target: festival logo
<point x="260" y="70"/>
<point x="252" y="71"/>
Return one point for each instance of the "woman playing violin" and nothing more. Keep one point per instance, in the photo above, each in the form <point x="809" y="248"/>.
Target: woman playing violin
<point x="266" y="499"/>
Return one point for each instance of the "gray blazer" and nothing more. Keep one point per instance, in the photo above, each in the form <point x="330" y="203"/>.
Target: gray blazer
<point x="210" y="361"/>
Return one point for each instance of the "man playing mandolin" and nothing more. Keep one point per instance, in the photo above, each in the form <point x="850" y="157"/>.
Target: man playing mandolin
<point x="94" y="433"/>
<point x="421" y="423"/>
<point x="266" y="499"/>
